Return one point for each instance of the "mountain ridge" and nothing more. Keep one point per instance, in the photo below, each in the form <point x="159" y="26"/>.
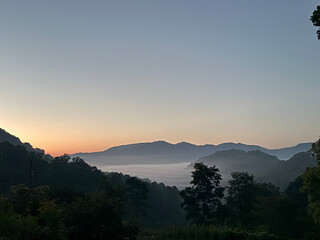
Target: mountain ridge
<point x="131" y="145"/>
<point x="164" y="152"/>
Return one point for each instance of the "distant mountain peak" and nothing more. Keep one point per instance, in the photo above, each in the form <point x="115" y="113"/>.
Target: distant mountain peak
<point x="184" y="144"/>
<point x="160" y="142"/>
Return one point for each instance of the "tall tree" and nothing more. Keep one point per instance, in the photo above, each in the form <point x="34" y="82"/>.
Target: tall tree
<point x="203" y="197"/>
<point x="242" y="193"/>
<point x="136" y="192"/>
<point x="315" y="149"/>
<point x="315" y="19"/>
<point x="311" y="184"/>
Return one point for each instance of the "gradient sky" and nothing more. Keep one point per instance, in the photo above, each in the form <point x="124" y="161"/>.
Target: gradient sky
<point x="88" y="75"/>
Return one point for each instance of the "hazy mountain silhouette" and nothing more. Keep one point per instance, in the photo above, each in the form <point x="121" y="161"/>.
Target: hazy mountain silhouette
<point x="289" y="170"/>
<point x="164" y="152"/>
<point x="264" y="167"/>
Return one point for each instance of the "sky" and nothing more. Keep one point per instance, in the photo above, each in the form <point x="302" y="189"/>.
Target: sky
<point x="83" y="76"/>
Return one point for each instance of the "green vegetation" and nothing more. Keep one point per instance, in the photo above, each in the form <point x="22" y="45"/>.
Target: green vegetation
<point x="65" y="198"/>
<point x="242" y="193"/>
<point x="33" y="213"/>
<point x="311" y="184"/>
<point x="68" y="199"/>
<point x="162" y="207"/>
<point x="201" y="232"/>
<point x="255" y="210"/>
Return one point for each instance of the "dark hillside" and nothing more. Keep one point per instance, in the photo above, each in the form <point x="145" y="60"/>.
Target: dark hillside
<point x="264" y="167"/>
<point x="65" y="174"/>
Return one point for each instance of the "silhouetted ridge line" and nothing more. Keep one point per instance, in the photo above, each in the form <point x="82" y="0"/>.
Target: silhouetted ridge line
<point x="161" y="152"/>
<point x="7" y="137"/>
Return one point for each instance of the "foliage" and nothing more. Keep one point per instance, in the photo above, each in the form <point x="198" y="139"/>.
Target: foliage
<point x="201" y="232"/>
<point x="45" y="222"/>
<point x="28" y="200"/>
<point x="315" y="19"/>
<point x="315" y="149"/>
<point x="96" y="216"/>
<point x="203" y="198"/>
<point x="294" y="192"/>
<point x="241" y="196"/>
<point x="90" y="216"/>
<point x="136" y="192"/>
<point x="70" y="178"/>
<point x="311" y="183"/>
<point x="17" y="164"/>
<point x="163" y="202"/>
<point x="267" y="189"/>
<point x="69" y="199"/>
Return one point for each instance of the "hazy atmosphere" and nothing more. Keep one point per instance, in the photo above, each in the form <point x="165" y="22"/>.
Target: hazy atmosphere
<point x="159" y="120"/>
<point x="84" y="76"/>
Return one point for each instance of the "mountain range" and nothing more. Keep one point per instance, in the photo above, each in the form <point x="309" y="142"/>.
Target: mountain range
<point x="161" y="152"/>
<point x="279" y="166"/>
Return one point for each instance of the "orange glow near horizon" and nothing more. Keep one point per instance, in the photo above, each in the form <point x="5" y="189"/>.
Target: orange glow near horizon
<point x="71" y="136"/>
<point x="57" y="144"/>
<point x="60" y="149"/>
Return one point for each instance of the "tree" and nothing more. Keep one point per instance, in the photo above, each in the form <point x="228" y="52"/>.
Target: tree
<point x="242" y="193"/>
<point x="267" y="190"/>
<point x="311" y="184"/>
<point x="98" y="216"/>
<point x="293" y="191"/>
<point x="204" y="196"/>
<point x="136" y="195"/>
<point x="315" y="149"/>
<point x="315" y="19"/>
<point x="27" y="200"/>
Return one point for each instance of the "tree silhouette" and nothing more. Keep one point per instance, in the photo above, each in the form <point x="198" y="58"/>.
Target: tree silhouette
<point x="136" y="192"/>
<point x="311" y="183"/>
<point x="204" y="196"/>
<point x="242" y="193"/>
<point x="315" y="19"/>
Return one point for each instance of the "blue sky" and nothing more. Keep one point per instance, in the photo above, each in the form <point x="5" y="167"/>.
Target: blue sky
<point x="87" y="75"/>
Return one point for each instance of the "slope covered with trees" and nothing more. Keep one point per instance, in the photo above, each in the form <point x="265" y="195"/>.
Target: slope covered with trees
<point x="7" y="137"/>
<point x="83" y="195"/>
<point x="264" y="167"/>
